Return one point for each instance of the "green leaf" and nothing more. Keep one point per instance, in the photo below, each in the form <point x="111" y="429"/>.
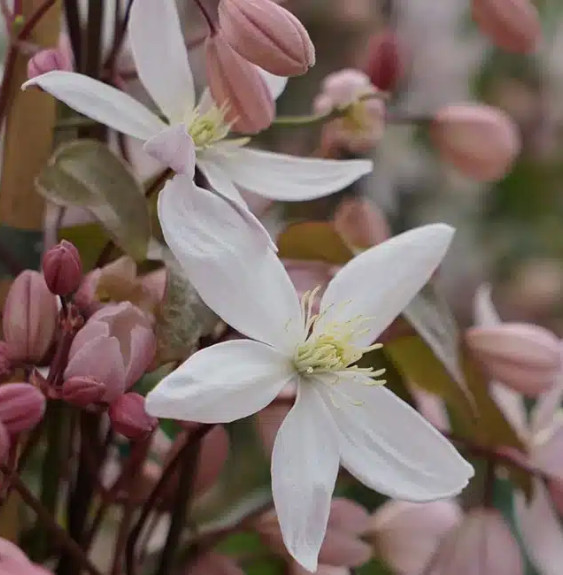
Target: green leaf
<point x="313" y="241"/>
<point x="182" y="318"/>
<point x="87" y="174"/>
<point x="89" y="239"/>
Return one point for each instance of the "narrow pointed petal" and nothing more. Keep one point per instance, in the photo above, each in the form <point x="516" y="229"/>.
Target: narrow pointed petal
<point x="540" y="529"/>
<point x="485" y="314"/>
<point x="547" y="407"/>
<point x="230" y="263"/>
<point x="291" y="178"/>
<point x="175" y="148"/>
<point x="276" y="84"/>
<point x="512" y="405"/>
<point x="218" y="179"/>
<point x="390" y="447"/>
<point x="380" y="283"/>
<point x="161" y="56"/>
<point x="304" y="469"/>
<point x="222" y="383"/>
<point x="100" y="102"/>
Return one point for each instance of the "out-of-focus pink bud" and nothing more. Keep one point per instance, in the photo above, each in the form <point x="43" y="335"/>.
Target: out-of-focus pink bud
<point x="116" y="346"/>
<point x="214" y="564"/>
<point x="267" y="35"/>
<point x="30" y="318"/>
<point x="5" y="363"/>
<point x="62" y="268"/>
<point x="128" y="417"/>
<point x="237" y="85"/>
<point x="4" y="442"/>
<point x="83" y="390"/>
<point x="556" y="492"/>
<point x="483" y="536"/>
<point x="342" y="546"/>
<point x="361" y="127"/>
<point x="271" y="417"/>
<point x="48" y="60"/>
<point x="513" y="25"/>
<point x="386" y="63"/>
<point x="21" y="406"/>
<point x="361" y="223"/>
<point x="306" y="275"/>
<point x="482" y="142"/>
<point x="406" y="535"/>
<point x="13" y="561"/>
<point x="525" y="357"/>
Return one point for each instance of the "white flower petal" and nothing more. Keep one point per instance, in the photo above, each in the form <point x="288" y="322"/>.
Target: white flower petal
<point x="230" y="262"/>
<point x="276" y="84"/>
<point x="175" y="148"/>
<point x="390" y="447"/>
<point x="540" y="529"/>
<point x="161" y="56"/>
<point x="485" y="314"/>
<point x="222" y="383"/>
<point x="100" y="102"/>
<point x="218" y="179"/>
<point x="379" y="283"/>
<point x="304" y="468"/>
<point x="291" y="178"/>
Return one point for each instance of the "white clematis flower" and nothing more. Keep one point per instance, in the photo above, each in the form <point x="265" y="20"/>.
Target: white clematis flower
<point x="162" y="63"/>
<point x="343" y="414"/>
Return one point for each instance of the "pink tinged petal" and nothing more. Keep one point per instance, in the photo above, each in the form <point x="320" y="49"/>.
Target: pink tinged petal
<point x="389" y="446"/>
<point x="341" y="548"/>
<point x="379" y="283"/>
<point x="92" y="330"/>
<point x="540" y="530"/>
<point x="547" y="454"/>
<point x="161" y="56"/>
<point x="407" y="535"/>
<point x="304" y="469"/>
<point x="175" y="148"/>
<point x="101" y="359"/>
<point x="100" y="102"/>
<point x="546" y="407"/>
<point x="230" y="263"/>
<point x="291" y="178"/>
<point x="347" y="515"/>
<point x="222" y="383"/>
<point x="485" y="313"/>
<point x="141" y="353"/>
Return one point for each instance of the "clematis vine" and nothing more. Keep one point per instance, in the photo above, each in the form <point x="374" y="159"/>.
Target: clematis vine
<point x="343" y="413"/>
<point x="161" y="59"/>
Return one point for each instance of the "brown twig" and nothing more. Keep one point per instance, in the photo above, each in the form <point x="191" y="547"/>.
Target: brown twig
<point x="61" y="536"/>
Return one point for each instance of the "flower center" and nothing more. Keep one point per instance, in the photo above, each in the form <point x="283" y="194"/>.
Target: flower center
<point x="333" y="349"/>
<point x="209" y="127"/>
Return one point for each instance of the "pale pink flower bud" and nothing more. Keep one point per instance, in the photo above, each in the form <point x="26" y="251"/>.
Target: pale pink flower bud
<point x="48" y="60"/>
<point x="480" y="141"/>
<point x="386" y="63"/>
<point x="237" y="85"/>
<point x="116" y="346"/>
<point x="342" y="546"/>
<point x="306" y="275"/>
<point x="214" y="564"/>
<point x="267" y="35"/>
<point x="29" y="318"/>
<point x="83" y="390"/>
<point x="525" y="357"/>
<point x="21" y="406"/>
<point x="482" y="537"/>
<point x="361" y="223"/>
<point x="513" y="25"/>
<point x="406" y="535"/>
<point x="128" y="417"/>
<point x="62" y="268"/>
<point x="4" y="442"/>
<point x="5" y="363"/>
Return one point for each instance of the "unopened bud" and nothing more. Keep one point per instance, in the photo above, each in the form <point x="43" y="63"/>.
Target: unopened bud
<point x="62" y="268"/>
<point x="361" y="223"/>
<point x="128" y="417"/>
<point x="267" y="35"/>
<point x="386" y="65"/>
<point x="47" y="61"/>
<point x="5" y="363"/>
<point x="480" y="141"/>
<point x="29" y="318"/>
<point x="21" y="406"/>
<point x="525" y="357"/>
<point x="238" y="86"/>
<point x="83" y="390"/>
<point x="513" y="25"/>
